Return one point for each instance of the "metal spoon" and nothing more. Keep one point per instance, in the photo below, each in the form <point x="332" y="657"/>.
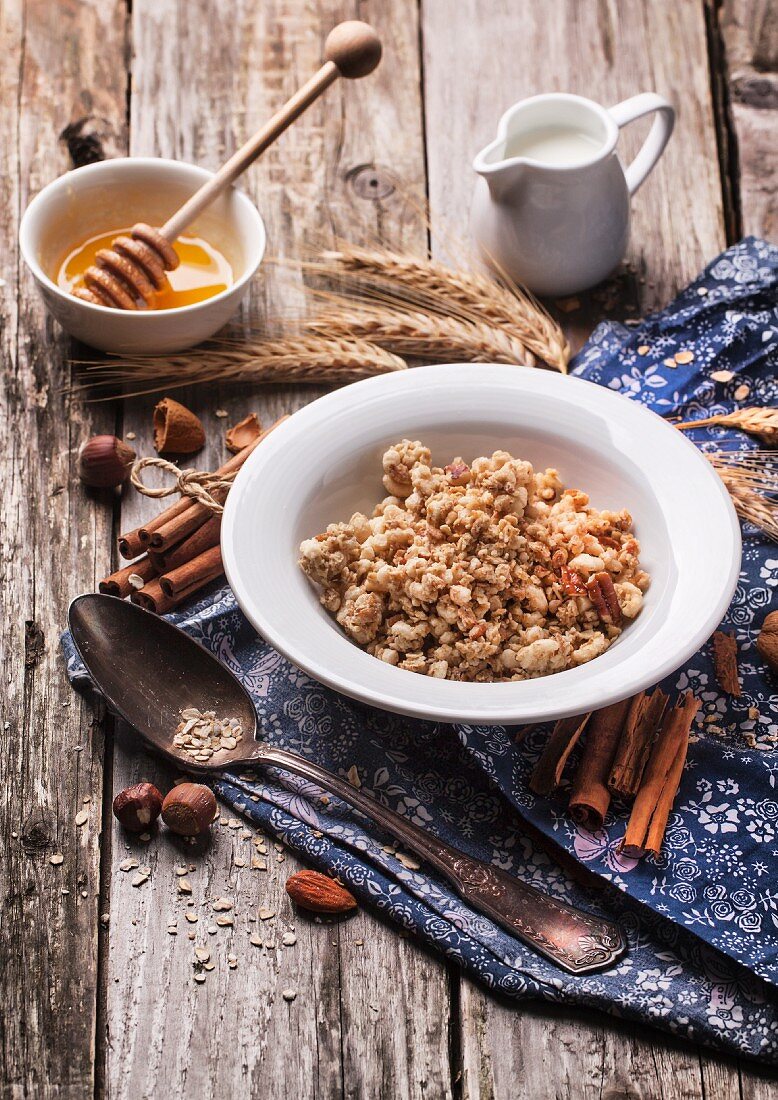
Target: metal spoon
<point x="148" y="670"/>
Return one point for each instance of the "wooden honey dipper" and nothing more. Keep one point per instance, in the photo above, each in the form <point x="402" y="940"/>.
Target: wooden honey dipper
<point x="135" y="266"/>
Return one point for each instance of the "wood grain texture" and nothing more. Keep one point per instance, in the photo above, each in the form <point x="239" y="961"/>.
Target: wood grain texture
<point x="205" y="76"/>
<point x="749" y="30"/>
<point x="53" y="537"/>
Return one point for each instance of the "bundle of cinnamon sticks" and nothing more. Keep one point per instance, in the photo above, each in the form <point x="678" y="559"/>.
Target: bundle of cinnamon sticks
<point x="179" y="549"/>
<point x="634" y="750"/>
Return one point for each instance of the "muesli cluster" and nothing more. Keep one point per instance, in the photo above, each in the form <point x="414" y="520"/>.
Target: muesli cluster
<point x="200" y="733"/>
<point x="480" y="572"/>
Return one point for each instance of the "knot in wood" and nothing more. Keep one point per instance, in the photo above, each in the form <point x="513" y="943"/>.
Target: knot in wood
<point x="371" y="181"/>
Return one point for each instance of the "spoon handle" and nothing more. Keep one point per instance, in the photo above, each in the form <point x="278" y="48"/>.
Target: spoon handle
<point x="577" y="941"/>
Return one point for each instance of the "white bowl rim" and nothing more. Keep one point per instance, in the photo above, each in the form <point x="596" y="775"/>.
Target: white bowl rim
<point x="130" y="164"/>
<point x="459" y="710"/>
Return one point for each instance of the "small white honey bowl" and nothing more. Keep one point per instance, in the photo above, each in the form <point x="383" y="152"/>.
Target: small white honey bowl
<point x="112" y="193"/>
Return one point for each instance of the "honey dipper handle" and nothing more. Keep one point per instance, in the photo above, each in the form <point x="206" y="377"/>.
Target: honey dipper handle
<point x="352" y="50"/>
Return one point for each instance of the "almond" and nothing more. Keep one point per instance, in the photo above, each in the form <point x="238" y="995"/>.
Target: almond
<point x="319" y="893"/>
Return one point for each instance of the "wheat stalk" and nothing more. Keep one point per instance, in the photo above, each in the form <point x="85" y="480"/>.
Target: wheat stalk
<point x="411" y="333"/>
<point x="751" y="478"/>
<point x="296" y="359"/>
<point x="469" y="295"/>
<point x="757" y="421"/>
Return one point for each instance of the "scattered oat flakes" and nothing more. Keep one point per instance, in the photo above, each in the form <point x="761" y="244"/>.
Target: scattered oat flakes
<point x="684" y="357"/>
<point x="181" y="871"/>
<point x="353" y="776"/>
<point x="128" y="865"/>
<point x="255" y="940"/>
<point x="266" y="914"/>
<point x="245" y="835"/>
<point x="280" y="858"/>
<point x="643" y="349"/>
<point x="221" y="413"/>
<point x="184" y="886"/>
<point x="359" y="943"/>
<point x="222" y="905"/>
<point x="209" y="965"/>
<point x="192" y="917"/>
<point x="105" y="918"/>
<point x="239" y="862"/>
<point x="144" y="838"/>
<point x="289" y="939"/>
<point x="270" y="945"/>
<point x="742" y="392"/>
<point x="212" y="930"/>
<point x="224" y="920"/>
<point x="669" y="362"/>
<point x="81" y="817"/>
<point x="172" y="930"/>
<point x="232" y="961"/>
<point x="199" y="977"/>
<point x="130" y="435"/>
<point x="234" y="823"/>
<point x="56" y="859"/>
<point x="408" y="862"/>
<point x="722" y="375"/>
<point x="64" y="890"/>
<point x="258" y="864"/>
<point x="289" y="994"/>
<point x="141" y="877"/>
<point x="202" y="954"/>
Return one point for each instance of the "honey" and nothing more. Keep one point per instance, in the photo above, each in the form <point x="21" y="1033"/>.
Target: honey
<point x="202" y="272"/>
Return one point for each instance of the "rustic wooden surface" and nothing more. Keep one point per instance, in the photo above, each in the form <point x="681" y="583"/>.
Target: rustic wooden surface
<point x="110" y="1007"/>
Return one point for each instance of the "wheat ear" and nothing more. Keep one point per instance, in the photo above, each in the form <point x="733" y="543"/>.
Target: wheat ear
<point x="297" y="359"/>
<point x="756" y="420"/>
<point x="467" y="292"/>
<point x="421" y="335"/>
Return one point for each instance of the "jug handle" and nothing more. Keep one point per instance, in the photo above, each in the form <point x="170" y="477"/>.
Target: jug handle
<point x="658" y="136"/>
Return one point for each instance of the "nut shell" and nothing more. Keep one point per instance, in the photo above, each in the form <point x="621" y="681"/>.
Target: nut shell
<point x="241" y="434"/>
<point x="319" y="893"/>
<point x="176" y="429"/>
<point x="138" y="807"/>
<point x="189" y="809"/>
<point x="104" y="461"/>
<point x="767" y="642"/>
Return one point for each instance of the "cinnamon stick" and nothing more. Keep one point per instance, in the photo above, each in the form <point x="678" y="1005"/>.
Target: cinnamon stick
<point x="590" y="796"/>
<point x="648" y="820"/>
<point x="152" y="598"/>
<point x="184" y="523"/>
<point x="203" y="539"/>
<point x="725" y="662"/>
<point x="118" y="583"/>
<point x="547" y="773"/>
<point x="640" y="729"/>
<point x="134" y="542"/>
<point x="205" y="567"/>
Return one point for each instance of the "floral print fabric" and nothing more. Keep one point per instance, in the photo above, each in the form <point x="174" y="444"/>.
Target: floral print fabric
<point x="702" y="920"/>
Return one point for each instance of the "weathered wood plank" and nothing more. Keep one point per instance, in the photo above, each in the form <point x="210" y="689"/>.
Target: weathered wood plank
<point x="205" y="75"/>
<point x="749" y="29"/>
<point x="53" y="534"/>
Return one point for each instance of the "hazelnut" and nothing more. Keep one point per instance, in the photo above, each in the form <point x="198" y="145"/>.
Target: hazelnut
<point x="767" y="642"/>
<point x="189" y="809"/>
<point x="104" y="461"/>
<point x="138" y="807"/>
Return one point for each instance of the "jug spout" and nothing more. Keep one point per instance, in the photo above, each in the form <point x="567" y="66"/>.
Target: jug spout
<point x="503" y="176"/>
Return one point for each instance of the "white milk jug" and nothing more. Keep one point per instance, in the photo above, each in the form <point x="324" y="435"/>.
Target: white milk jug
<point x="551" y="205"/>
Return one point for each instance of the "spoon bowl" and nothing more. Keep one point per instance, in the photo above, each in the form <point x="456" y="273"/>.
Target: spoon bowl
<point x="148" y="670"/>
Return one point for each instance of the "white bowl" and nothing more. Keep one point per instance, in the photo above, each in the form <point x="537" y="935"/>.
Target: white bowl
<point x="114" y="193"/>
<point x="323" y="464"/>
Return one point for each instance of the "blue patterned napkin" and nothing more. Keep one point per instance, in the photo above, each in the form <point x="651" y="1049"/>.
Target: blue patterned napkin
<point x="702" y="920"/>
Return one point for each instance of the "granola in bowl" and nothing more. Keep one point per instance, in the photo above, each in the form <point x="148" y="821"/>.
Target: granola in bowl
<point x="482" y="572"/>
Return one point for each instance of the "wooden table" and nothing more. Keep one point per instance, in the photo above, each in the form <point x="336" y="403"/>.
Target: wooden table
<point x="97" y="997"/>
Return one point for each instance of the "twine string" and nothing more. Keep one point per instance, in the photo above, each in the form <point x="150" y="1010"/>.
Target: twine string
<point x="201" y="485"/>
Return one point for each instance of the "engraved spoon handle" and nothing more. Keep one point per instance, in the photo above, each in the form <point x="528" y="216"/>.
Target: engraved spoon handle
<point x="577" y="941"/>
